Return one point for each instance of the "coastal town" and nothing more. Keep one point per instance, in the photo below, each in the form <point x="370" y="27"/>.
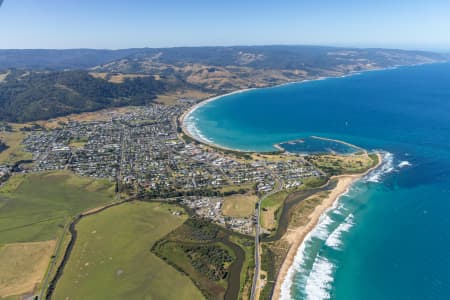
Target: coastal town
<point x="145" y="152"/>
<point x="224" y="150"/>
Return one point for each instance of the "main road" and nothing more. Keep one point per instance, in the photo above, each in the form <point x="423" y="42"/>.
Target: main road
<point x="278" y="187"/>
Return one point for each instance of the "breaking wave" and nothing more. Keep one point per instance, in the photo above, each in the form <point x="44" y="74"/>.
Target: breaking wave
<point x="285" y="293"/>
<point x="319" y="281"/>
<point x="334" y="239"/>
<point x="404" y="163"/>
<point x="317" y="284"/>
<point x="190" y="124"/>
<point x="387" y="166"/>
<point x="321" y="231"/>
<point x="312" y="273"/>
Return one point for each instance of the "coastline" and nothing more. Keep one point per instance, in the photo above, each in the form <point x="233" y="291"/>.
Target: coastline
<point x="193" y="108"/>
<point x="182" y="118"/>
<point x="299" y="234"/>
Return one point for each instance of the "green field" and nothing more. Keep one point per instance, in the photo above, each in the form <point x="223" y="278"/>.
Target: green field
<point x="333" y="164"/>
<point x="312" y="182"/>
<point x="248" y="266"/>
<point x="15" y="151"/>
<point x="215" y="274"/>
<point x="112" y="258"/>
<point x="175" y="253"/>
<point x="239" y="205"/>
<point x="35" y="207"/>
<point x="271" y="209"/>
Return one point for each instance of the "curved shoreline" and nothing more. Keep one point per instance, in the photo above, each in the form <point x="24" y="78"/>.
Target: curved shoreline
<point x="205" y="141"/>
<point x="300" y="234"/>
<point x="182" y="118"/>
<point x="200" y="139"/>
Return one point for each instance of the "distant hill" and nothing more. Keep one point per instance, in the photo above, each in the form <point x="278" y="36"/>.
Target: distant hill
<point x="28" y="96"/>
<point x="41" y="84"/>
<point x="41" y="59"/>
<point x="275" y="57"/>
<point x="281" y="57"/>
<point x="224" y="69"/>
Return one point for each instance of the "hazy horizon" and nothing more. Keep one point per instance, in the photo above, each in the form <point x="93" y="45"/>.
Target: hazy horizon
<point x="52" y="24"/>
<point x="437" y="50"/>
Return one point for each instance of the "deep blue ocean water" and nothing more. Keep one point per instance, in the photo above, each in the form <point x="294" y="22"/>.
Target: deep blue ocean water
<point x="389" y="236"/>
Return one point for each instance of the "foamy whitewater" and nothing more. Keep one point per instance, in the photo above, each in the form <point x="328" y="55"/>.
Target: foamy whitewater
<point x="314" y="272"/>
<point x="363" y="247"/>
<point x="404" y="163"/>
<point x="334" y="240"/>
<point x="386" y="167"/>
<point x="189" y="124"/>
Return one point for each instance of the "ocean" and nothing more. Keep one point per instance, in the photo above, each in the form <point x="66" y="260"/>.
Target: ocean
<point x="388" y="237"/>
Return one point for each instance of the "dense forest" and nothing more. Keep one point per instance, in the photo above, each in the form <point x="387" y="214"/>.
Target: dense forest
<point x="42" y="84"/>
<point x="27" y="96"/>
<point x="210" y="260"/>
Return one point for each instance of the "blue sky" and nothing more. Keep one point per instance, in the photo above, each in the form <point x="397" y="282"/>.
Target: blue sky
<point x="164" y="23"/>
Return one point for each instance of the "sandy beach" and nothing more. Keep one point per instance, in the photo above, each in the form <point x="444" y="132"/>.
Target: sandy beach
<point x="296" y="237"/>
<point x="203" y="140"/>
<point x="198" y="138"/>
<point x="203" y="102"/>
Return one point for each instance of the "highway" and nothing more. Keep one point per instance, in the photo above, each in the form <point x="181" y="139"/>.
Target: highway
<point x="278" y="188"/>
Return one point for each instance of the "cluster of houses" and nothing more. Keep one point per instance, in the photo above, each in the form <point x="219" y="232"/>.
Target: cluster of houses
<point x="211" y="208"/>
<point x="142" y="150"/>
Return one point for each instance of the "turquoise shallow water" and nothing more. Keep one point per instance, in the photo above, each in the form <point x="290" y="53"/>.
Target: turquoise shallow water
<point x="310" y="145"/>
<point x="389" y="236"/>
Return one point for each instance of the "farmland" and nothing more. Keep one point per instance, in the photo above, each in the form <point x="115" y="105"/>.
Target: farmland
<point x="35" y="207"/>
<point x="112" y="259"/>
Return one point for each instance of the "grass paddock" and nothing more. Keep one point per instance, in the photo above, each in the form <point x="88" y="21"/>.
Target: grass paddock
<point x="23" y="265"/>
<point x="239" y="206"/>
<point x="111" y="258"/>
<point x="36" y="207"/>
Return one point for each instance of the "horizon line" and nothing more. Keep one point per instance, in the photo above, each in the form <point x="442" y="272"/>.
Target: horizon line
<point x="426" y="49"/>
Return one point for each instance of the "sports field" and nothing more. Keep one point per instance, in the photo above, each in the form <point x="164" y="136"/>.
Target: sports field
<point x="238" y="205"/>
